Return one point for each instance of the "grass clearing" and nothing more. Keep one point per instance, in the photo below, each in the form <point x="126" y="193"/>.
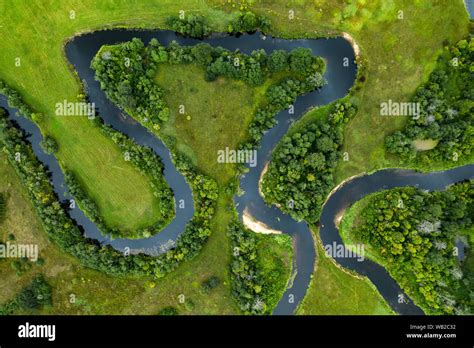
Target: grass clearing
<point x="425" y="144"/>
<point x="336" y="291"/>
<point x="216" y="115"/>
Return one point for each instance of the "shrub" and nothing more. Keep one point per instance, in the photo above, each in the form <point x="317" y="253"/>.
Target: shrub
<point x="209" y="284"/>
<point x="3" y="206"/>
<point x="49" y="145"/>
<point x="192" y="26"/>
<point x="169" y="311"/>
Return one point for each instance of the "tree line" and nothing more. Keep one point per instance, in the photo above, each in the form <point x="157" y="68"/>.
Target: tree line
<point x="196" y="26"/>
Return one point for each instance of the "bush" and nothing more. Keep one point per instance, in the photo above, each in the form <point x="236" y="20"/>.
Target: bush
<point x="169" y="311"/>
<point x="248" y="22"/>
<point x="36" y="295"/>
<point x="3" y="207"/>
<point x="209" y="284"/>
<point x="192" y="26"/>
<point x="49" y="145"/>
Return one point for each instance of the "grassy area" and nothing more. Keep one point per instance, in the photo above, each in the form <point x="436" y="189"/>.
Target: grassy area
<point x="208" y="125"/>
<point x="216" y="115"/>
<point x="336" y="291"/>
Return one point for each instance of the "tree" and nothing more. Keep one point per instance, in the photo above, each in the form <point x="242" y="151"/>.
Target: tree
<point x="301" y="60"/>
<point x="278" y="61"/>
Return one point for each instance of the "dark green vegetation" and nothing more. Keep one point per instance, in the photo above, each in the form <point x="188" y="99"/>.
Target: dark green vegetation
<point x="447" y="113"/>
<point x="3" y="207"/>
<point x="148" y="163"/>
<point x="169" y="311"/>
<point x="34" y="296"/>
<point x="258" y="278"/>
<point x="195" y="26"/>
<point x="49" y="145"/>
<point x="413" y="234"/>
<point x="210" y="283"/>
<point x="248" y="22"/>
<point x="191" y="25"/>
<point x="300" y="174"/>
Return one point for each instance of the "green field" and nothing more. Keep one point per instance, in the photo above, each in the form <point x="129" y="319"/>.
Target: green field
<point x="335" y="290"/>
<point x="208" y="123"/>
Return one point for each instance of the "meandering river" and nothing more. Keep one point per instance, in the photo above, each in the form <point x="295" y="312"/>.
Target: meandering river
<point x="340" y="77"/>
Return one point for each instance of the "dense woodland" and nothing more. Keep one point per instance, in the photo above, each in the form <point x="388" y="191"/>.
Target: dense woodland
<point x="255" y="290"/>
<point x="413" y="233"/>
<point x="447" y="112"/>
<point x="300" y="175"/>
<point x="126" y="73"/>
